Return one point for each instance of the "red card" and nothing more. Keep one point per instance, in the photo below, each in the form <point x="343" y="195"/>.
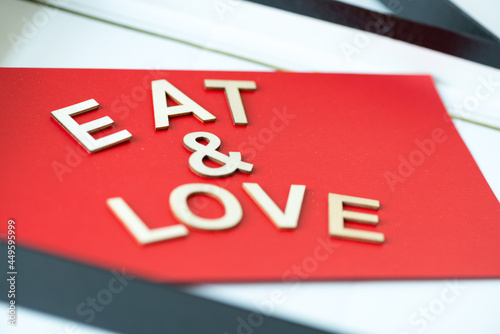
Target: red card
<point x="386" y="138"/>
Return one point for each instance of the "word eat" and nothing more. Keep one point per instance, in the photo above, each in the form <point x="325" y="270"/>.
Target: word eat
<point x="162" y="112"/>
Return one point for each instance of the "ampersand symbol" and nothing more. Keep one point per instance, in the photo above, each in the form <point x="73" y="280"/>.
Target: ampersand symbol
<point x="230" y="163"/>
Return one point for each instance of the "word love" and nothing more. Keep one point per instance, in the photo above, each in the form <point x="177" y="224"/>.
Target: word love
<point x="231" y="163"/>
<point x="162" y="112"/>
<point x="233" y="213"/>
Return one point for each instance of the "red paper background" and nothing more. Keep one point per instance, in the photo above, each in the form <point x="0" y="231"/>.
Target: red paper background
<point x="443" y="221"/>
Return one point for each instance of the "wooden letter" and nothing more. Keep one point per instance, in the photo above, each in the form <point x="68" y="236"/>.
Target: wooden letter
<point x="232" y="89"/>
<point x="282" y="220"/>
<point x="81" y="132"/>
<point x="138" y="229"/>
<point x="180" y="209"/>
<point x="337" y="215"/>
<point x="186" y="106"/>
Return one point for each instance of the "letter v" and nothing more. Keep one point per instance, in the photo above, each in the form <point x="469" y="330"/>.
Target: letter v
<point x="283" y="220"/>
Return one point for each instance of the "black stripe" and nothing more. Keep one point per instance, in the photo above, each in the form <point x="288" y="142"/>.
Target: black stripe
<point x="477" y="44"/>
<point x="58" y="286"/>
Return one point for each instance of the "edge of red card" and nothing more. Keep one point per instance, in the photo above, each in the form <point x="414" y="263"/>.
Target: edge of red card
<point x="382" y="137"/>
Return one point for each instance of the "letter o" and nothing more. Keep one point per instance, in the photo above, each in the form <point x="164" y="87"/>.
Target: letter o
<point x="437" y="307"/>
<point x="266" y="135"/>
<point x="310" y="264"/>
<point x="416" y="158"/>
<point x="361" y="40"/>
<point x="180" y="208"/>
<point x="40" y="19"/>
<point x="255" y="319"/>
<point x="138" y="93"/>
<point x="101" y="299"/>
<point x="471" y="103"/>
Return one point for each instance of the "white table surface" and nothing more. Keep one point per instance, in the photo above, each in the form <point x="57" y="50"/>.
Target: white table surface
<point x="68" y="40"/>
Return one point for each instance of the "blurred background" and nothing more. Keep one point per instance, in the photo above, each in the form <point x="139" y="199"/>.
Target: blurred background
<point x="251" y="36"/>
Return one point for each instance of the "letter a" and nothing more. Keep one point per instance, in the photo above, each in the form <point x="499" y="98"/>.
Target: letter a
<point x="162" y="111"/>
